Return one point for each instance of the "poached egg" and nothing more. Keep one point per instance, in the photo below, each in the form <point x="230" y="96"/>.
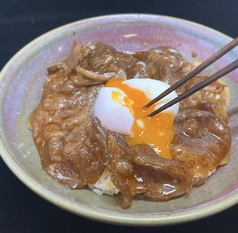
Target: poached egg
<point x="119" y="107"/>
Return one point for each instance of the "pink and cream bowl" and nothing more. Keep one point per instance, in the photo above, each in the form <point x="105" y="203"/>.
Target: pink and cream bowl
<point x="21" y="82"/>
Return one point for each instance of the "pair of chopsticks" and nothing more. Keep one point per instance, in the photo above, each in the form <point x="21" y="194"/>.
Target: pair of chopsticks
<point x="190" y="75"/>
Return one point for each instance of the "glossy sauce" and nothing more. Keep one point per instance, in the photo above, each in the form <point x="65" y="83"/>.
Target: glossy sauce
<point x="75" y="149"/>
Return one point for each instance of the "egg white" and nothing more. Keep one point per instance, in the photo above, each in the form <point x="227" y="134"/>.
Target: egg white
<point x="152" y="88"/>
<point x="113" y="114"/>
<point x="116" y="116"/>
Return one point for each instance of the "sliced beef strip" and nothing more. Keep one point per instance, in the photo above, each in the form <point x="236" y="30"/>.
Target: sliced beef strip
<point x="75" y="149"/>
<point x="201" y="142"/>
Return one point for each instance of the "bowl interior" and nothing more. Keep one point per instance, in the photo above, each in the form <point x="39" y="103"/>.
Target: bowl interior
<point x="21" y="84"/>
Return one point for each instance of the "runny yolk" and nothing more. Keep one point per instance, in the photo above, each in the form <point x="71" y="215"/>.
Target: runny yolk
<point x="157" y="131"/>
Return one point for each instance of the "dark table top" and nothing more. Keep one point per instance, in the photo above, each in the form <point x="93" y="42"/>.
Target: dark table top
<point x="21" y="21"/>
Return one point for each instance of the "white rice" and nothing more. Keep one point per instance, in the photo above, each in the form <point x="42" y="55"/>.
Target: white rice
<point x="104" y="185"/>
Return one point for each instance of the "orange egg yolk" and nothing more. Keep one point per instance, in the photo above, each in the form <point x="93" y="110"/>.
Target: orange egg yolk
<point x="157" y="131"/>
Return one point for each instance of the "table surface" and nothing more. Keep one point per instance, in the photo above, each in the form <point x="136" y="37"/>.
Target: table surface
<point x="21" y="21"/>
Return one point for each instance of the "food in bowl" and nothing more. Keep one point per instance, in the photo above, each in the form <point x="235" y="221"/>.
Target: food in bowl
<point x="79" y="146"/>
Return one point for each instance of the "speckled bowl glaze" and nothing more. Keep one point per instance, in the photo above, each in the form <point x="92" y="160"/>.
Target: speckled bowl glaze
<point x="21" y="83"/>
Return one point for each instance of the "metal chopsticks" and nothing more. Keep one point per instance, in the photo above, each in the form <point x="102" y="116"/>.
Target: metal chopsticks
<point x="190" y="75"/>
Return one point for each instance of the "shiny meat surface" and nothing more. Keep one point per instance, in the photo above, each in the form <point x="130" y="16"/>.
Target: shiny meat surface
<point x="75" y="149"/>
<point x="200" y="143"/>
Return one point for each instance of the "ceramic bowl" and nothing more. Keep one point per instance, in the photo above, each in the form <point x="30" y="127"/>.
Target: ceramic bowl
<point x="21" y="82"/>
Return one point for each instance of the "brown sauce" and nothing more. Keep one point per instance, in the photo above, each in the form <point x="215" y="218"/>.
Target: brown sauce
<point x="75" y="149"/>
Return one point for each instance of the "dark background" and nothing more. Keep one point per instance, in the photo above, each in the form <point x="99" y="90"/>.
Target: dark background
<point x="21" y="21"/>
